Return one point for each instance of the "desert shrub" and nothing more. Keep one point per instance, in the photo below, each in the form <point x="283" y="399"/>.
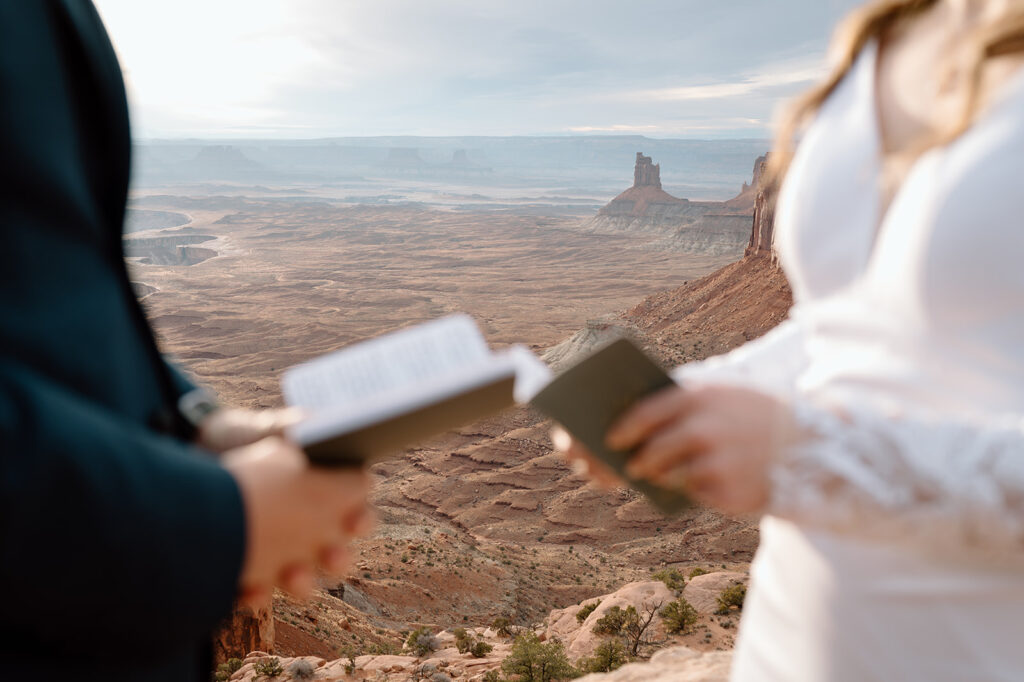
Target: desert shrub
<point x="480" y="649"/>
<point x="608" y="656"/>
<point x="730" y="597"/>
<point x="226" y="669"/>
<point x="679" y="616"/>
<point x="421" y="641"/>
<point x="503" y="626"/>
<point x="629" y="624"/>
<point x="349" y="654"/>
<point x="672" y="578"/>
<point x="301" y="670"/>
<point x="268" y="667"/>
<point x="440" y="677"/>
<point x="534" y="661"/>
<point x="492" y="676"/>
<point x="585" y="612"/>
<point x="612" y="622"/>
<point x="383" y="649"/>
<point x="463" y="640"/>
<point x="697" y="571"/>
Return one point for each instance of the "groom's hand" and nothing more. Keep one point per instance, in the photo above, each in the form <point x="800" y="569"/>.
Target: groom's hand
<point x="229" y="427"/>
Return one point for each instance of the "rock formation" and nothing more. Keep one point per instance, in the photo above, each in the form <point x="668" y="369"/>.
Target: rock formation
<point x="169" y="249"/>
<point x="404" y="158"/>
<point x="762" y="233"/>
<point x="461" y="164"/>
<point x="645" y="197"/>
<point x="246" y="630"/>
<point x="692" y="663"/>
<point x="597" y="333"/>
<point x="705" y="227"/>
<point x="646" y="173"/>
<point x="138" y="219"/>
<point x="579" y="638"/>
<point x="223" y="162"/>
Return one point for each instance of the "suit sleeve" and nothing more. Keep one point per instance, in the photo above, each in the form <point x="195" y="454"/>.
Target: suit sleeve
<point x="99" y="516"/>
<point x="181" y="381"/>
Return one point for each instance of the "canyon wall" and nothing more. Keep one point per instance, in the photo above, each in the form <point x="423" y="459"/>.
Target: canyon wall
<point x="762" y="234"/>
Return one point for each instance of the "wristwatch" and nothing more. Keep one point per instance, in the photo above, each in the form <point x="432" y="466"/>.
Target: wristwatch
<point x="196" y="405"/>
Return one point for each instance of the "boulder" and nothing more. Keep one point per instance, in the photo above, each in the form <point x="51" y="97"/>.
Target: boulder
<point x="579" y="638"/>
<point x="676" y="664"/>
<point x="389" y="664"/>
<point x="702" y="591"/>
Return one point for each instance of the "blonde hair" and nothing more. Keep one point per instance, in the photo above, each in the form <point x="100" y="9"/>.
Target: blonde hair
<point x="869" y="22"/>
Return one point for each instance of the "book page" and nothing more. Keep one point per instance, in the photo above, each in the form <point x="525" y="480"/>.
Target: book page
<point x="405" y="360"/>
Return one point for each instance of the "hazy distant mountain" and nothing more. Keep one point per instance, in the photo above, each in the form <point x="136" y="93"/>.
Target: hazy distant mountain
<point x="699" y="169"/>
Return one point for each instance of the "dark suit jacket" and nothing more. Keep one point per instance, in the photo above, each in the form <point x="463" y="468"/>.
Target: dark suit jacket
<point x="120" y="544"/>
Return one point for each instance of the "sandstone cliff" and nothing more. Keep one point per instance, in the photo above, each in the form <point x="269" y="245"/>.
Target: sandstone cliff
<point x="169" y="249"/>
<point x="762" y="235"/>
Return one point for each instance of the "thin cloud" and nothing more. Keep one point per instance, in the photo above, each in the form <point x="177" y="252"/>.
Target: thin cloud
<point x="384" y="67"/>
<point x="779" y="75"/>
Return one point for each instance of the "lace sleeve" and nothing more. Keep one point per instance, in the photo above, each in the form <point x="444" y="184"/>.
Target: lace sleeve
<point x="921" y="478"/>
<point x="770" y="363"/>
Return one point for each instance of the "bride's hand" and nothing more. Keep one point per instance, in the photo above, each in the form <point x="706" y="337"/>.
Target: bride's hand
<point x="716" y="443"/>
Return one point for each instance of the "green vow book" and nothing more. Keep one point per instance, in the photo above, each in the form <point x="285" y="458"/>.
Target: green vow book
<point x="587" y="398"/>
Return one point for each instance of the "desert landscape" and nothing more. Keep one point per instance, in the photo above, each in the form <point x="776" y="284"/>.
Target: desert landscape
<point x="486" y="525"/>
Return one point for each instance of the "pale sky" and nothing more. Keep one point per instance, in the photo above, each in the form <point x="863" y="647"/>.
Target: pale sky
<point x="321" y="68"/>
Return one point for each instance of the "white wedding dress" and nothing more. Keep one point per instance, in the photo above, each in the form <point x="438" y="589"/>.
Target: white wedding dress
<point x="893" y="548"/>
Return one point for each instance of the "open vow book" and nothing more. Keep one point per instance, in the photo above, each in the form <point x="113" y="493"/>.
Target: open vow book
<point x="378" y="397"/>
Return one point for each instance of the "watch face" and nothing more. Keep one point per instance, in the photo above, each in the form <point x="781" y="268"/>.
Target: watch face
<point x="195" y="405"/>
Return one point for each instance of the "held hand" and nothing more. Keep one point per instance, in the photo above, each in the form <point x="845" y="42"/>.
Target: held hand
<point x="230" y="427"/>
<point x="583" y="461"/>
<point x="298" y="517"/>
<point x="716" y="443"/>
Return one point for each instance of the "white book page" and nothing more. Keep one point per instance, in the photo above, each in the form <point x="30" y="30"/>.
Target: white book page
<point x="344" y="419"/>
<point x="406" y="361"/>
<point x="532" y="375"/>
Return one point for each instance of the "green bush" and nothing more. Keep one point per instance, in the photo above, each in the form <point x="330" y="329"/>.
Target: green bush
<point x="383" y="649"/>
<point x="730" y="597"/>
<point x="608" y="656"/>
<point x="503" y="626"/>
<point x="227" y="669"/>
<point x="421" y="641"/>
<point x="613" y="620"/>
<point x="697" y="571"/>
<point x="672" y="578"/>
<point x="492" y="676"/>
<point x="268" y="667"/>
<point x="585" y="612"/>
<point x="480" y="649"/>
<point x="679" y="616"/>
<point x="534" y="661"/>
<point x="463" y="640"/>
<point x="301" y="670"/>
<point x="348" y="653"/>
